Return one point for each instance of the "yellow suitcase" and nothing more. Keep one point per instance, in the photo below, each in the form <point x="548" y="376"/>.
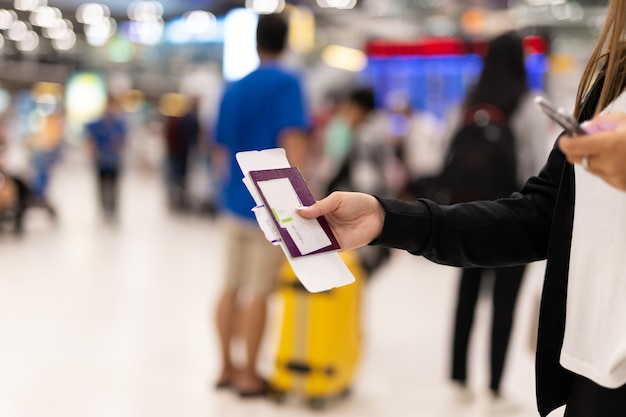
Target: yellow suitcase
<point x="320" y="337"/>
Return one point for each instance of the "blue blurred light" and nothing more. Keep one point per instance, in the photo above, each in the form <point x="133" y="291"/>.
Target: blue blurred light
<point x="176" y="33"/>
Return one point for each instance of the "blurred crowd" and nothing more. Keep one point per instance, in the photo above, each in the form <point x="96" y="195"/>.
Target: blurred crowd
<point x="354" y="144"/>
<point x="353" y="141"/>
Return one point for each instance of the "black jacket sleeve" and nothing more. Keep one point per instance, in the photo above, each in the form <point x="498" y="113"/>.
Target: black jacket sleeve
<point x="504" y="232"/>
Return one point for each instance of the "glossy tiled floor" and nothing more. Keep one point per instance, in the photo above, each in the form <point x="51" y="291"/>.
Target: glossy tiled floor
<point x="99" y="321"/>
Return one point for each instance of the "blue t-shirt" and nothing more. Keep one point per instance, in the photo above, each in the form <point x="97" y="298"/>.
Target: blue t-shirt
<point x="253" y="112"/>
<point x="108" y="137"/>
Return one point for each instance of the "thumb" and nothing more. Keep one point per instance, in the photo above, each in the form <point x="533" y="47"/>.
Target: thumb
<point x="318" y="209"/>
<point x="310" y="212"/>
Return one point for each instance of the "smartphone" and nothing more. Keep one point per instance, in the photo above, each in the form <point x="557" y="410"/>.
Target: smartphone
<point x="567" y="122"/>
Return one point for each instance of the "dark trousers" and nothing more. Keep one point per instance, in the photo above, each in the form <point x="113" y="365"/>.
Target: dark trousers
<point x="505" y="291"/>
<point x="588" y="399"/>
<point x="24" y="196"/>
<point x="107" y="190"/>
<point x="177" y="180"/>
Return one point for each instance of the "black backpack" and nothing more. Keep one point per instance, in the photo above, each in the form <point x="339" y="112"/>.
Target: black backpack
<point x="480" y="163"/>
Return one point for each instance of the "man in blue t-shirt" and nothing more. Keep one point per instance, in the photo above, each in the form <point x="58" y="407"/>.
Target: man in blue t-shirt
<point x="263" y="110"/>
<point x="106" y="137"/>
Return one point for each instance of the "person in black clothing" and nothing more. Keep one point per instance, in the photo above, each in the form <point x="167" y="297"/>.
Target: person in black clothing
<point x="498" y="94"/>
<point x="581" y="354"/>
<point x="182" y="135"/>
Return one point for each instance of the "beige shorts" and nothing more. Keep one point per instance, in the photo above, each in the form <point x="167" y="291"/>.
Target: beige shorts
<point x="251" y="261"/>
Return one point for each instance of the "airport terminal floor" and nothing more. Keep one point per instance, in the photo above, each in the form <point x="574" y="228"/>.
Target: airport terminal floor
<point x="100" y="320"/>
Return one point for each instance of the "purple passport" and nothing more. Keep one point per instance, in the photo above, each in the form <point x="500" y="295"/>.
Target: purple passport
<point x="282" y="190"/>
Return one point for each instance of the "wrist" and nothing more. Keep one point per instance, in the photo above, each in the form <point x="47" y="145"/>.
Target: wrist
<point x="381" y="218"/>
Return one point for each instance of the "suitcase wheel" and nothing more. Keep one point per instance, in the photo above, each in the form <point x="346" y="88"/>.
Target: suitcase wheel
<point x="318" y="403"/>
<point x="279" y="397"/>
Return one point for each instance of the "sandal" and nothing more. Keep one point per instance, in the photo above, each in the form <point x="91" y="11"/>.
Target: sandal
<point x="222" y="385"/>
<point x="261" y="392"/>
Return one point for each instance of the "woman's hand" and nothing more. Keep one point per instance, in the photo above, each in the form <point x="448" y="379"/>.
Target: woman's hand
<point x="604" y="148"/>
<point x="355" y="218"/>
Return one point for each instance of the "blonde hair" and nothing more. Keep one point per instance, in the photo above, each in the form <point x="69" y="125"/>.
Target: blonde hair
<point x="608" y="57"/>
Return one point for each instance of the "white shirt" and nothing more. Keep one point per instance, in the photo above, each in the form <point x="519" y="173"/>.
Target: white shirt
<point x="595" y="329"/>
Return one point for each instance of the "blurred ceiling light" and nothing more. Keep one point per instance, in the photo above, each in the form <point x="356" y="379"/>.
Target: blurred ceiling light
<point x="146" y="32"/>
<point x="147" y="25"/>
<point x="65" y="43"/>
<point x="98" y="34"/>
<point x="570" y="11"/>
<point x="341" y="57"/>
<point x="17" y="31"/>
<point x="265" y="6"/>
<point x="60" y="30"/>
<point x="342" y="4"/>
<point x="28" y="5"/>
<point x="7" y="18"/>
<point x="337" y="4"/>
<point x="145" y="11"/>
<point x="29" y="43"/>
<point x="45" y="17"/>
<point x="199" y="22"/>
<point x="92" y="13"/>
<point x="301" y="29"/>
<point x="474" y="21"/>
<point x="177" y="32"/>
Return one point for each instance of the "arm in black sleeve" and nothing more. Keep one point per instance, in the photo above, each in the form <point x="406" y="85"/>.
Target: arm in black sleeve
<point x="508" y="231"/>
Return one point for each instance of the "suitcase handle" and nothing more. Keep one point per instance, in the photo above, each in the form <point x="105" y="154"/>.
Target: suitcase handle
<point x="304" y="368"/>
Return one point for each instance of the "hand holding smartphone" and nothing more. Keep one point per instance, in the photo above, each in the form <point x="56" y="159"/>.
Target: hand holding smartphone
<point x="566" y="121"/>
